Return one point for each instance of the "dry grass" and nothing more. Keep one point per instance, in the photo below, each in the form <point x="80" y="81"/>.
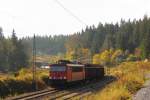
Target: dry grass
<point x="130" y="78"/>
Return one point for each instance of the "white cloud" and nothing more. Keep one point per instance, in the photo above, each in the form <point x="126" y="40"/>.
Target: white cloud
<point x="47" y="17"/>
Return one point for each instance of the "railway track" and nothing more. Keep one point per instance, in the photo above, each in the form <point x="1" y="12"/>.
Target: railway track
<point x="61" y="94"/>
<point x="34" y="94"/>
<point x="86" y="90"/>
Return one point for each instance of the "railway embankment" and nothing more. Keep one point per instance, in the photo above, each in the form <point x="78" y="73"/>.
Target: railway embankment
<point x="130" y="78"/>
<point x="144" y="93"/>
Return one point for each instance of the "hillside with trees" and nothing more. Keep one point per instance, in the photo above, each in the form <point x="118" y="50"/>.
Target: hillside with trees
<point x="130" y="36"/>
<point x="105" y="41"/>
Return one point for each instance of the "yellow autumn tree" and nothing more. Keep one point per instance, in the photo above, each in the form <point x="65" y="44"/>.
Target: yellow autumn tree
<point x="96" y="59"/>
<point x="69" y="55"/>
<point x="105" y="57"/>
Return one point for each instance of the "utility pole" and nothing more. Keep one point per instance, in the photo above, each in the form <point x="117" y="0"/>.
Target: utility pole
<point x="34" y="85"/>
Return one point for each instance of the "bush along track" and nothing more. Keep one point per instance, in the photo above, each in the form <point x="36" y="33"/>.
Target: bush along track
<point x="15" y="85"/>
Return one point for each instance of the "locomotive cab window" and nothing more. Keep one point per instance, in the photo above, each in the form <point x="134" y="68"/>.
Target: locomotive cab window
<point x="58" y="68"/>
<point x="77" y="69"/>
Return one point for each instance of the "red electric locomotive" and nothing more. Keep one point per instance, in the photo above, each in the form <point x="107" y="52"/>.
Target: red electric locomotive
<point x="66" y="72"/>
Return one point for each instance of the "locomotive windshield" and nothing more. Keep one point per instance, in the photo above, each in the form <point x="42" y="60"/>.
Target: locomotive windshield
<point x="57" y="68"/>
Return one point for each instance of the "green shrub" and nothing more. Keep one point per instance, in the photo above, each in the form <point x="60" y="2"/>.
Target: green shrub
<point x="132" y="58"/>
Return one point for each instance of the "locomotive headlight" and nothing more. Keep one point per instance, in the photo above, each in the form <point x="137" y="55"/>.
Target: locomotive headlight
<point x="50" y="77"/>
<point x="64" y="77"/>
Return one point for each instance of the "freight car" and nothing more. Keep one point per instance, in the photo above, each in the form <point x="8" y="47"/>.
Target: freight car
<point x="93" y="71"/>
<point x="68" y="72"/>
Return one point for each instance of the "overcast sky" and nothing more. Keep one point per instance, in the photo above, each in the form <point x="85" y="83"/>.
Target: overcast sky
<point x="48" y="17"/>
